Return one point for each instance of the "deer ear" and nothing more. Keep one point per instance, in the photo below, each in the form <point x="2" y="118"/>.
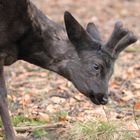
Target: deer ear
<point x="77" y="34"/>
<point x="93" y="31"/>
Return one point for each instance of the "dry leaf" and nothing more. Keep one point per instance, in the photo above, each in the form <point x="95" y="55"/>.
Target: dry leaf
<point x="137" y="105"/>
<point x="62" y="118"/>
<point x="44" y="117"/>
<point x="25" y="100"/>
<point x="128" y="95"/>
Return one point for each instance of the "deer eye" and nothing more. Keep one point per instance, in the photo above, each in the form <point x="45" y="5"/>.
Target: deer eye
<point x="96" y="67"/>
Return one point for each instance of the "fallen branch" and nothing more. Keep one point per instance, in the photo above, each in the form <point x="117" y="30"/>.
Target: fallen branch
<point x="32" y="128"/>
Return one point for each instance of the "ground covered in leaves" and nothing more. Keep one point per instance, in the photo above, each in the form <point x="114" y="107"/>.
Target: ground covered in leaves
<point x="45" y="106"/>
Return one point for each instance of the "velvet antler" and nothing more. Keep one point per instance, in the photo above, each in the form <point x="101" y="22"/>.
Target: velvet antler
<point x="93" y="31"/>
<point x="119" y="40"/>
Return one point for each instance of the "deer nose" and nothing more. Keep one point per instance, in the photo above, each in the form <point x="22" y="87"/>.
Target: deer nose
<point x="99" y="98"/>
<point x="104" y="100"/>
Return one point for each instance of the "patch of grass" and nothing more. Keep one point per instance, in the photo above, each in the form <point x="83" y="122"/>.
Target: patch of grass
<point x="22" y="120"/>
<point x="62" y="113"/>
<point x="17" y="120"/>
<point x="0" y="123"/>
<point x="97" y="130"/>
<point x="132" y="49"/>
<point x="60" y="116"/>
<point x="39" y="133"/>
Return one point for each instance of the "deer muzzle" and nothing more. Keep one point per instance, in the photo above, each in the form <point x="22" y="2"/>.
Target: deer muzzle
<point x="99" y="98"/>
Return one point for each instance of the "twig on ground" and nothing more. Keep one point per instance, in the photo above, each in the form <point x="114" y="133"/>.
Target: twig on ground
<point x="66" y="96"/>
<point x="32" y="128"/>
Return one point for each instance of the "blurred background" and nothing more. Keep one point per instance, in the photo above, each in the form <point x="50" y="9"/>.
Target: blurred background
<point x="39" y="97"/>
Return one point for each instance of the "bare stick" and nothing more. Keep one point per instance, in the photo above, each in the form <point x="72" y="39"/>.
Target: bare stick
<point x="32" y="128"/>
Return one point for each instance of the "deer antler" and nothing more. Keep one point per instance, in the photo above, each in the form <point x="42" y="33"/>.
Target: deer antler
<point x="93" y="31"/>
<point x="119" y="40"/>
<point x="127" y="40"/>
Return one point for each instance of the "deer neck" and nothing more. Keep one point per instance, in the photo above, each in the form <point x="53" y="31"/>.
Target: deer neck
<point x="45" y="43"/>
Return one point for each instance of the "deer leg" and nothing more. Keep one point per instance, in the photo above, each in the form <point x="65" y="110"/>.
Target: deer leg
<point x="4" y="113"/>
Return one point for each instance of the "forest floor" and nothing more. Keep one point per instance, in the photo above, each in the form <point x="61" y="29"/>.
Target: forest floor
<point x="38" y="97"/>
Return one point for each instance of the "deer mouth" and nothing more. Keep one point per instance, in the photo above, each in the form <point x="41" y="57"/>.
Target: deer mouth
<point x="98" y="100"/>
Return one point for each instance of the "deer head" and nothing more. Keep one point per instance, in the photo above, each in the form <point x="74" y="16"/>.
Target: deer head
<point x="89" y="65"/>
<point x="75" y="53"/>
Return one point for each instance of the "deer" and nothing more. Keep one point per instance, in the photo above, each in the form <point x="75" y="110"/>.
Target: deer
<point x="74" y="52"/>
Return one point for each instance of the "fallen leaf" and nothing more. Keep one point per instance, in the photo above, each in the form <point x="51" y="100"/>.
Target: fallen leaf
<point x="44" y="117"/>
<point x="62" y="119"/>
<point x="137" y="105"/>
<point x="25" y="100"/>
